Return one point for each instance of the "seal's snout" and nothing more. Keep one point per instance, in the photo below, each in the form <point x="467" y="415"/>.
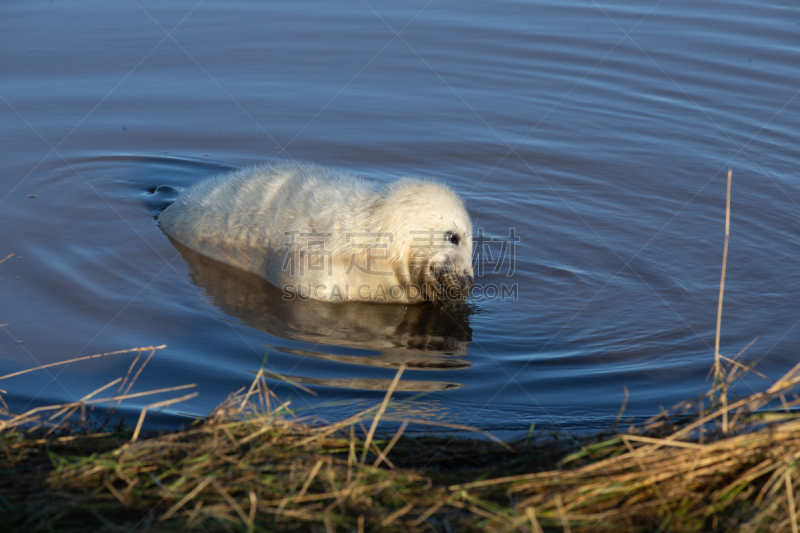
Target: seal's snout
<point x="446" y="283"/>
<point x="465" y="284"/>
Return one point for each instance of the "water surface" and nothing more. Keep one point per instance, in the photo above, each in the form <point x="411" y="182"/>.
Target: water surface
<point x="600" y="133"/>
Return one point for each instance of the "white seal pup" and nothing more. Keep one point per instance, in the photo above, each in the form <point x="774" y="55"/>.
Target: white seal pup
<point x="324" y="234"/>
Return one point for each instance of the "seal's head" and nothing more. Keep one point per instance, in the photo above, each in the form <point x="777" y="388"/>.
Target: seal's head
<point x="432" y="238"/>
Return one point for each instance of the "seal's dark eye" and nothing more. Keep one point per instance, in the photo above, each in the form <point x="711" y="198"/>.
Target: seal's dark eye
<point x="452" y="237"/>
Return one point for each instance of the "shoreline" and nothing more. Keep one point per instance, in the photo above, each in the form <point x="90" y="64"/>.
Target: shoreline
<point x="716" y="463"/>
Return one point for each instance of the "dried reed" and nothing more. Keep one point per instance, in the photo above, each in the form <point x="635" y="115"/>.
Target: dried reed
<point x="254" y="469"/>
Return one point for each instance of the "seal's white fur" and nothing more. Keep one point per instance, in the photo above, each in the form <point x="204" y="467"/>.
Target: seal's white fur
<point x="254" y="217"/>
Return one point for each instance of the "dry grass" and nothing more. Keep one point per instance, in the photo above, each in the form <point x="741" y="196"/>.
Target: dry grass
<point x="251" y="466"/>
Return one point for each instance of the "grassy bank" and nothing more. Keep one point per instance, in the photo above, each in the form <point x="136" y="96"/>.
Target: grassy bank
<point x="716" y="463"/>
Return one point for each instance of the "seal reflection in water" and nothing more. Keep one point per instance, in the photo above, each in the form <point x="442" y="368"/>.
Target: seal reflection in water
<point x="430" y="336"/>
<point x="329" y="235"/>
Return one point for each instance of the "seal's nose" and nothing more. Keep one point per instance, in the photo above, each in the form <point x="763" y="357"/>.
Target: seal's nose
<point x="469" y="282"/>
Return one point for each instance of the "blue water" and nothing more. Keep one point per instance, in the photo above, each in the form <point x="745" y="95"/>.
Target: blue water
<point x="600" y="132"/>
